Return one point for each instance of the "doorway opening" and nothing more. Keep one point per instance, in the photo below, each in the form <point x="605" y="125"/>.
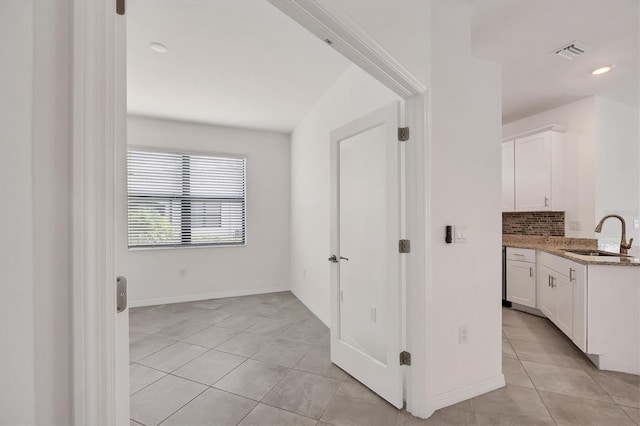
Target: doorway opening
<point x="161" y="130"/>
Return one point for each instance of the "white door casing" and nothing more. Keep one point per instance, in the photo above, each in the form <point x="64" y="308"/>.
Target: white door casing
<point x="100" y="336"/>
<point x="121" y="218"/>
<point x="98" y="111"/>
<point x="366" y="323"/>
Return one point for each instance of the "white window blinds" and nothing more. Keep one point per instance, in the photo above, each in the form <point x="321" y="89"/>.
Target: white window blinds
<point x="179" y="199"/>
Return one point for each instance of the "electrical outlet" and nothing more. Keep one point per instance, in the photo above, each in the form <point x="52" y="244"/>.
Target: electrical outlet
<point x="463" y="334"/>
<point x="636" y="223"/>
<point x="373" y="314"/>
<point x="575" y="225"/>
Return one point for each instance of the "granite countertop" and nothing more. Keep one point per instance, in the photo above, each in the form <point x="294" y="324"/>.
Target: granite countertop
<point x="557" y="245"/>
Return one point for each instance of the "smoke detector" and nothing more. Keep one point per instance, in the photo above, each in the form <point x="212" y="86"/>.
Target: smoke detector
<point x="571" y="50"/>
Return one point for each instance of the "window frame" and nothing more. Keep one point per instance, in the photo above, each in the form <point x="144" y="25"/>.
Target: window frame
<point x="190" y="152"/>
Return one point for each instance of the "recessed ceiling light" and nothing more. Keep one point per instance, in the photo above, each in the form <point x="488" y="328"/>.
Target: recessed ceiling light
<point x="158" y="47"/>
<point x="602" y="70"/>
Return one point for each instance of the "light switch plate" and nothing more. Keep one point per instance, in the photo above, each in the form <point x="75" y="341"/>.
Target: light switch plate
<point x="460" y="234"/>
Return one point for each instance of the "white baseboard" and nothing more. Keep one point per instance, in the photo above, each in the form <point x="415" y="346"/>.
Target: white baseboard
<point x="322" y="318"/>
<point x="195" y="297"/>
<point x="467" y="392"/>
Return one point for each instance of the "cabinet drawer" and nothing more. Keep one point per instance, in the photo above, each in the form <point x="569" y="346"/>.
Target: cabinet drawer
<point x="559" y="264"/>
<point x="523" y="255"/>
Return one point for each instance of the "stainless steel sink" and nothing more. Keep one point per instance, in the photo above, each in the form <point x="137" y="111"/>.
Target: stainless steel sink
<point x="594" y="252"/>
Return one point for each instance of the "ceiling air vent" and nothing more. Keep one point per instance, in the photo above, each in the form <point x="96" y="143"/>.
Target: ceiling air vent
<point x="571" y="50"/>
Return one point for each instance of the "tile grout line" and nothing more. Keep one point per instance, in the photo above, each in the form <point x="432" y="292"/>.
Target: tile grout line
<point x="146" y="386"/>
<point x="291" y="323"/>
<point x="532" y="383"/>
<point x="628" y="415"/>
<point x="193" y="381"/>
<point x="173" y="342"/>
<point x="181" y="365"/>
<point x="562" y="366"/>
<point x="261" y="401"/>
<point x="331" y="399"/>
<point x="581" y="368"/>
<point x="188" y="402"/>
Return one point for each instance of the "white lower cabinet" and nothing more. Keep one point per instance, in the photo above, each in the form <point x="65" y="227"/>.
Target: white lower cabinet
<point x="546" y="296"/>
<point x="579" y="278"/>
<point x="562" y="286"/>
<point x="564" y="299"/>
<point x="521" y="276"/>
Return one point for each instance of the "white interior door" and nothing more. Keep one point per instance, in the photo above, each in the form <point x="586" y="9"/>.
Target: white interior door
<point x="365" y="230"/>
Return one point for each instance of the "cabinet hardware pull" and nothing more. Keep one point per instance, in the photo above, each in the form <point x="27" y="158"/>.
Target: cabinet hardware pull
<point x="546" y="201"/>
<point x="530" y="271"/>
<point x="571" y="272"/>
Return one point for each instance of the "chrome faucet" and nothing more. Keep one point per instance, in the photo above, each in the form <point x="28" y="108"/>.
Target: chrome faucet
<point x="624" y="247"/>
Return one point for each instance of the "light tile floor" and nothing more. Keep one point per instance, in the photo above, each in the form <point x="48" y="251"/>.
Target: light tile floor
<point x="264" y="360"/>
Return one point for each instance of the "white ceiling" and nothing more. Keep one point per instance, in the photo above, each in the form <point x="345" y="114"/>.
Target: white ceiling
<point x="243" y="63"/>
<point x="519" y="34"/>
<point x="233" y="63"/>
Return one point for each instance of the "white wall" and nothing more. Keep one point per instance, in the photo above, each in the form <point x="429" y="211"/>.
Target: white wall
<point x="465" y="189"/>
<point x="52" y="210"/>
<point x="580" y="117"/>
<point x="17" y="392"/>
<point x="35" y="317"/>
<point x="261" y="265"/>
<point x="617" y="167"/>
<point x="353" y="95"/>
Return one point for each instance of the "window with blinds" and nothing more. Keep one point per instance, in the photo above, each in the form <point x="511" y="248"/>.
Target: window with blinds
<point x="179" y="199"/>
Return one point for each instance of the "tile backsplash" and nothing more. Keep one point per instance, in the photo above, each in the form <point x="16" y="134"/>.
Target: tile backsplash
<point x="546" y="224"/>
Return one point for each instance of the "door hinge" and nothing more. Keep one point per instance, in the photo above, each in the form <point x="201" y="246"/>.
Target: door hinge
<point x="121" y="294"/>
<point x="405" y="358"/>
<point x="404" y="246"/>
<point x="120" y="7"/>
<point x="403" y="134"/>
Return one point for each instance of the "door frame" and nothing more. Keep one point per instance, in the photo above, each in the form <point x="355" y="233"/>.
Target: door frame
<point x="97" y="142"/>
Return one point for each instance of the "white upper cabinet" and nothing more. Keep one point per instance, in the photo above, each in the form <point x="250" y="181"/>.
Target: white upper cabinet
<point x="533" y="172"/>
<point x="537" y="172"/>
<point x="508" y="177"/>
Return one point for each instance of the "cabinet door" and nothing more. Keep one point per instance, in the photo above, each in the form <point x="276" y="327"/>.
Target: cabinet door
<point x="578" y="273"/>
<point x="546" y="294"/>
<point x="508" y="177"/>
<point x="533" y="172"/>
<point x="521" y="283"/>
<point x="564" y="304"/>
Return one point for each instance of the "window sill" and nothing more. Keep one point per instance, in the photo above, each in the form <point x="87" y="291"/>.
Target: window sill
<point x="212" y="246"/>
